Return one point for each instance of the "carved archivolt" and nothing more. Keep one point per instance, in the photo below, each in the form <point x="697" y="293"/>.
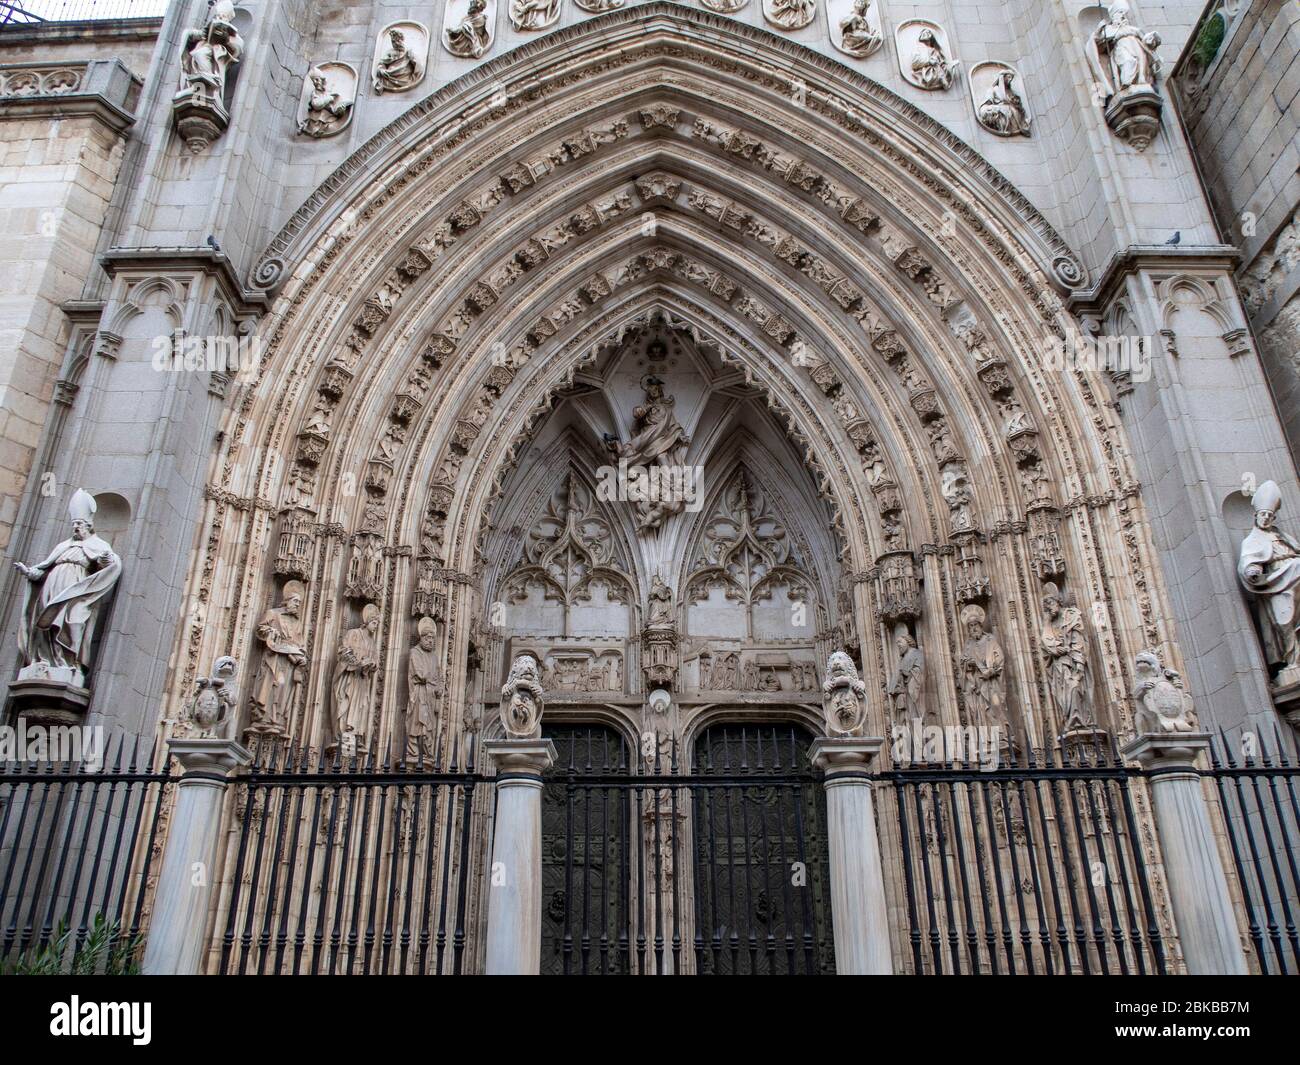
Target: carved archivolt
<point x="922" y="407"/>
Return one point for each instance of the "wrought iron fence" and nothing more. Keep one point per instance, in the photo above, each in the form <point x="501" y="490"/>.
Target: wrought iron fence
<point x="349" y="867"/>
<point x="28" y="12"/>
<point x="1262" y="815"/>
<point x="77" y="846"/>
<point x="1035" y="867"/>
<point x="648" y="868"/>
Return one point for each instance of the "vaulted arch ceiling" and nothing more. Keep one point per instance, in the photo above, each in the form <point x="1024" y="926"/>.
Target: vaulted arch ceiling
<point x="889" y="294"/>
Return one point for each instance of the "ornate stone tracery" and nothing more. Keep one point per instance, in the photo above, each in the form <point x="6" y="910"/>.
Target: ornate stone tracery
<point x="924" y="422"/>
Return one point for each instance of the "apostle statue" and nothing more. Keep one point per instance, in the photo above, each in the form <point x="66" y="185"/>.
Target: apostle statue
<point x="1269" y="568"/>
<point x="790" y="14"/>
<point x="1003" y="111"/>
<point x="844" y="697"/>
<point x="354" y="681"/>
<point x="1129" y="54"/>
<point x="327" y="112"/>
<point x="423" y="689"/>
<point x="214" y="698"/>
<point x="208" y="53"/>
<point x="397" y="69"/>
<point x="1065" y="646"/>
<point x="980" y="666"/>
<point x="522" y="699"/>
<point x="473" y="35"/>
<point x="533" y="14"/>
<point x="905" y="689"/>
<point x="284" y="661"/>
<point x="858" y="33"/>
<point x="931" y="68"/>
<point x="658" y="440"/>
<point x="660" y="605"/>
<point x="1163" y="705"/>
<point x="64" y="598"/>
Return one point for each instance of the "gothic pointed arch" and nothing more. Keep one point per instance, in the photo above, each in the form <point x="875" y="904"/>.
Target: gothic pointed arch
<point x="459" y="312"/>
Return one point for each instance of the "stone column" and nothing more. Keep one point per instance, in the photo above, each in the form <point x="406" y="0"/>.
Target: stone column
<point x="180" y="911"/>
<point x="1198" y="886"/>
<point x="514" y="931"/>
<point x="857" y="881"/>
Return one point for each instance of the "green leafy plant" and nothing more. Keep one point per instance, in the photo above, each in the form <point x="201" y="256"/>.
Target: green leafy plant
<point x="106" y="950"/>
<point x="1209" y="40"/>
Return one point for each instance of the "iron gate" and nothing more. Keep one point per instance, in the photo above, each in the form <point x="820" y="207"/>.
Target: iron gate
<point x="647" y="868"/>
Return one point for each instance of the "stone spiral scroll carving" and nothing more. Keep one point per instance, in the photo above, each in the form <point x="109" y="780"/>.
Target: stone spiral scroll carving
<point x="469" y="28"/>
<point x="855" y="27"/>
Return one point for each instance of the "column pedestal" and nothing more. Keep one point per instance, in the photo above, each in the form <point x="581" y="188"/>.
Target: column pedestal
<point x="1198" y="887"/>
<point x="514" y="929"/>
<point x="857" y="882"/>
<point x="176" y="941"/>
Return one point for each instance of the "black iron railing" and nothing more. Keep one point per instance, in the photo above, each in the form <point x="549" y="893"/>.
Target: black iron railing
<point x="650" y="869"/>
<point x="19" y="12"/>
<point x="77" y="848"/>
<point x="356" y="867"/>
<point x="1033" y="867"/>
<point x="1258" y="792"/>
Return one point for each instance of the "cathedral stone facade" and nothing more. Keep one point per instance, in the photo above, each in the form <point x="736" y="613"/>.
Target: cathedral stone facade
<point x="847" y="367"/>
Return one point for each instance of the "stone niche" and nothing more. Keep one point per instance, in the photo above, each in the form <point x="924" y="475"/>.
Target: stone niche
<point x="758" y="668"/>
<point x="575" y="666"/>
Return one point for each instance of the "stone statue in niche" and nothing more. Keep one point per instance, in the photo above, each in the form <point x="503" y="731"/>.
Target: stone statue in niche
<point x="326" y="108"/>
<point x="63" y="599"/>
<point x="1003" y="110"/>
<point x="213" y="705"/>
<point x="790" y="14"/>
<point x="355" y="666"/>
<point x="844" y="697"/>
<point x="1065" y="646"/>
<point x="983" y="686"/>
<point x="199" y="108"/>
<point x="523" y="700"/>
<point x="906" y="686"/>
<point x="207" y="54"/>
<point x="1130" y="54"/>
<point x="471" y="36"/>
<point x="1269" y="568"/>
<point x="658" y="439"/>
<point x="423" y="689"/>
<point x="397" y="68"/>
<point x="931" y="67"/>
<point x="1163" y="704"/>
<point x="280" y="673"/>
<point x="534" y="14"/>
<point x="660" y="604"/>
<point x="859" y="29"/>
<point x="1127" y="69"/>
